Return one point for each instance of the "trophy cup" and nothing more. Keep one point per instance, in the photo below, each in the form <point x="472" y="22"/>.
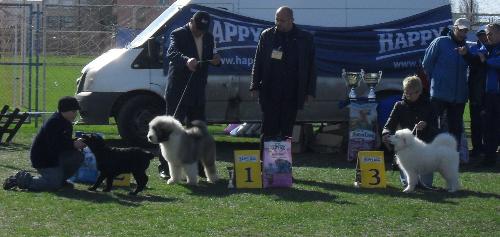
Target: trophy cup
<point x="230" y="184"/>
<point x="352" y="80"/>
<point x="371" y="80"/>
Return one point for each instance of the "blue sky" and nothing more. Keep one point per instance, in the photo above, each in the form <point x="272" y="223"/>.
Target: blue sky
<point x="484" y="6"/>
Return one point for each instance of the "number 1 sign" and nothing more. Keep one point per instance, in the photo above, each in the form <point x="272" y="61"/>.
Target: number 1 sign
<point x="247" y="169"/>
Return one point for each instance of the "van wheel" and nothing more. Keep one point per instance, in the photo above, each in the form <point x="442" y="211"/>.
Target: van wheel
<point x="134" y="117"/>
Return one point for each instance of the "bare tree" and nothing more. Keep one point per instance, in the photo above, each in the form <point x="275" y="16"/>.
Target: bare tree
<point x="469" y="9"/>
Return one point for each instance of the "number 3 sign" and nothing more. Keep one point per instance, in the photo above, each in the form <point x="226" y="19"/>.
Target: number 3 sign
<point x="247" y="169"/>
<point x="372" y="167"/>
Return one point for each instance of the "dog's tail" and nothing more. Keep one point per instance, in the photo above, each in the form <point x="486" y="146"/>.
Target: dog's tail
<point x="445" y="139"/>
<point x="198" y="129"/>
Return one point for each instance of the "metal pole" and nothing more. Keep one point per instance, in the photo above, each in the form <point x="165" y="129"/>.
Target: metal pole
<point x="30" y="56"/>
<point x="44" y="55"/>
<point x="37" y="67"/>
<point x="16" y="68"/>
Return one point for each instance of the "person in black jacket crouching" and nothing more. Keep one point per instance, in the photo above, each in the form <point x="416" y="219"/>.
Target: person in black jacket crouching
<point x="54" y="153"/>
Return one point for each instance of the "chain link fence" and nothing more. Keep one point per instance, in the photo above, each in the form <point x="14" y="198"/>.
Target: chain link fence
<point x="44" y="45"/>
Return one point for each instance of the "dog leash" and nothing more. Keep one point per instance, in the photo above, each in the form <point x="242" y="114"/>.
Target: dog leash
<point x="183" y="93"/>
<point x="187" y="85"/>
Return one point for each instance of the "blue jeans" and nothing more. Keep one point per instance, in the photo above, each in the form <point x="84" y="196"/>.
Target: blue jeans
<point x="425" y="179"/>
<point x="51" y="179"/>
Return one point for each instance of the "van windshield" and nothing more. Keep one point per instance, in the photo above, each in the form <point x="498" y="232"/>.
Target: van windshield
<point x="153" y="27"/>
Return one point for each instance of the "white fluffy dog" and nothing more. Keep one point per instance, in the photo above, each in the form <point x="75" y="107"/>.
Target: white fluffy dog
<point x="415" y="157"/>
<point x="184" y="148"/>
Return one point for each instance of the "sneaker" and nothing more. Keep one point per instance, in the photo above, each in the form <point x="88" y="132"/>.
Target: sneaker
<point x="10" y="183"/>
<point x="163" y="171"/>
<point x="67" y="185"/>
<point x="425" y="187"/>
<point x="164" y="174"/>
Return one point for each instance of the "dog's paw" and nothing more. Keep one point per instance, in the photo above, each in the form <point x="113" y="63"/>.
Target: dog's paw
<point x="171" y="181"/>
<point x="106" y="190"/>
<point x="132" y="193"/>
<point x="92" y="189"/>
<point x="213" y="180"/>
<point x="408" y="190"/>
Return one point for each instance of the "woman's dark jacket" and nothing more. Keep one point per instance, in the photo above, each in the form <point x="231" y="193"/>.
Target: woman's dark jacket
<point x="406" y="114"/>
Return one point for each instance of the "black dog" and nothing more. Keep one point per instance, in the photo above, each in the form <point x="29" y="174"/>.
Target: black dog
<point x="112" y="162"/>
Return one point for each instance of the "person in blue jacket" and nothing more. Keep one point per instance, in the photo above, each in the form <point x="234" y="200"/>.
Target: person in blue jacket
<point x="489" y="55"/>
<point x="447" y="71"/>
<point x="54" y="154"/>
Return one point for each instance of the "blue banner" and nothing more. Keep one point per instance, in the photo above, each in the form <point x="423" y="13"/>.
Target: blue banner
<point x="394" y="47"/>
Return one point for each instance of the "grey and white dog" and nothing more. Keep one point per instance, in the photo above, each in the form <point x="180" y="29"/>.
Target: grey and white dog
<point x="183" y="148"/>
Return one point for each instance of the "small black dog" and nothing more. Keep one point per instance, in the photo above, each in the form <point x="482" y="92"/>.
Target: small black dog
<point x="112" y="162"/>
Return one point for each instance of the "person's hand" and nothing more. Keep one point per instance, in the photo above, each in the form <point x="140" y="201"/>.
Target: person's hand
<point x="385" y="138"/>
<point x="482" y="57"/>
<point x="420" y="125"/>
<point x="462" y="50"/>
<point x="216" y="60"/>
<point x="254" y="93"/>
<point x="79" y="144"/>
<point x="192" y="63"/>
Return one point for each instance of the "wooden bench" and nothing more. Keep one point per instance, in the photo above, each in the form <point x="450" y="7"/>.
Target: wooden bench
<point x="10" y="122"/>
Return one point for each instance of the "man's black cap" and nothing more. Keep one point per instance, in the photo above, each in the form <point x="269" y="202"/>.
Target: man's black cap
<point x="202" y="20"/>
<point x="67" y="103"/>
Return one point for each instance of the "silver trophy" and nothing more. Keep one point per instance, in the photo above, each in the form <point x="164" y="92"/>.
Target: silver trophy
<point x="371" y="80"/>
<point x="352" y="80"/>
<point x="230" y="184"/>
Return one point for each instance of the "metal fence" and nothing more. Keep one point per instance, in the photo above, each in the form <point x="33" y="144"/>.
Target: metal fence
<point x="43" y="46"/>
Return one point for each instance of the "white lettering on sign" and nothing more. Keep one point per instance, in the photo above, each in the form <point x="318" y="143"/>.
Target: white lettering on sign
<point x="225" y="32"/>
<point x="402" y="40"/>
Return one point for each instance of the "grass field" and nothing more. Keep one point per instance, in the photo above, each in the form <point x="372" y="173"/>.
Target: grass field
<point x="322" y="202"/>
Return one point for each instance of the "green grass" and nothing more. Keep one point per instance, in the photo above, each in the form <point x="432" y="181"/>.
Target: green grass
<point x="322" y="202"/>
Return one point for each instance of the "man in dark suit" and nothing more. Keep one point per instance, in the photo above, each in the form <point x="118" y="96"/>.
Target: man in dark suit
<point x="189" y="54"/>
<point x="283" y="75"/>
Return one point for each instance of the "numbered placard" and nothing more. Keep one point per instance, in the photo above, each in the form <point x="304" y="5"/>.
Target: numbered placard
<point x="247" y="169"/>
<point x="122" y="180"/>
<point x="372" y="168"/>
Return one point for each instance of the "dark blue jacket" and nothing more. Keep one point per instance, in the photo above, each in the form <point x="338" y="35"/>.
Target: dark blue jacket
<point x="493" y="68"/>
<point x="181" y="48"/>
<point x="447" y="70"/>
<point x="477" y="77"/>
<point x="54" y="137"/>
<point x="492" y="63"/>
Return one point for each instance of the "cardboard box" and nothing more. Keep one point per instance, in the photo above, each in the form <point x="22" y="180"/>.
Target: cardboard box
<point x="332" y="127"/>
<point x="326" y="139"/>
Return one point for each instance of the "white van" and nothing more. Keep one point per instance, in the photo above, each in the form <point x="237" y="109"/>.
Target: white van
<point x="389" y="35"/>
